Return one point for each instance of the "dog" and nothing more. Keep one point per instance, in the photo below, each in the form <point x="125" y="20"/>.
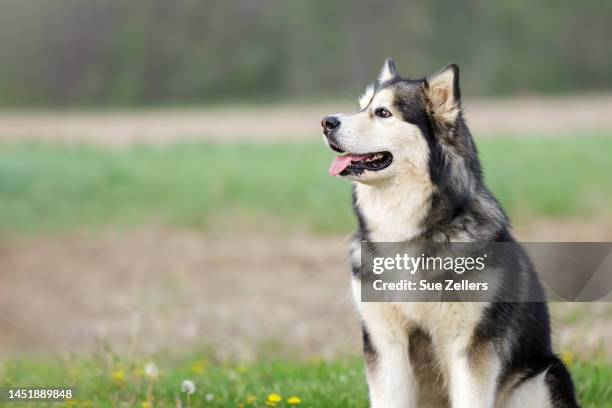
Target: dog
<point x="417" y="178"/>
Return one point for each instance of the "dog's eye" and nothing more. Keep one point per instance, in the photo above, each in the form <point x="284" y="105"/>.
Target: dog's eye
<point x="382" y="112"/>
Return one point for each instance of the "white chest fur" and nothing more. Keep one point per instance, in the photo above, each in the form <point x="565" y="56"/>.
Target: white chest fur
<point x="393" y="213"/>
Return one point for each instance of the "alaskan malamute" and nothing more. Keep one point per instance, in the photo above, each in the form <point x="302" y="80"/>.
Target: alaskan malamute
<point x="417" y="178"/>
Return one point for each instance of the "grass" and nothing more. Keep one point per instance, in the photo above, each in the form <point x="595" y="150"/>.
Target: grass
<point x="107" y="382"/>
<point x="50" y="188"/>
<point x="55" y="188"/>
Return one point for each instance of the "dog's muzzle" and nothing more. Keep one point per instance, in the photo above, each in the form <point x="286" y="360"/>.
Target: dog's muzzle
<point x="330" y="124"/>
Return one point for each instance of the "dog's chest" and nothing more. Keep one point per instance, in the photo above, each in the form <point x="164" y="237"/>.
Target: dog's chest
<point x="392" y="215"/>
<point x="442" y="320"/>
<point x="396" y="218"/>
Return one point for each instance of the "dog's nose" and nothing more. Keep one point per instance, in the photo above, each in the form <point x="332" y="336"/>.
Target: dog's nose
<point x="330" y="123"/>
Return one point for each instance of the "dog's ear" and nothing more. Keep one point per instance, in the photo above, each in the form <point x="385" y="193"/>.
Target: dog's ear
<point x="443" y="94"/>
<point x="388" y="71"/>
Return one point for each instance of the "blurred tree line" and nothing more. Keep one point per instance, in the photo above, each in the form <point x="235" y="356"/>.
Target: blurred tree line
<point x="69" y="52"/>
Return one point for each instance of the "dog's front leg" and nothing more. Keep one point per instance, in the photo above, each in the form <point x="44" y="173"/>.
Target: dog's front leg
<point x="389" y="372"/>
<point x="472" y="373"/>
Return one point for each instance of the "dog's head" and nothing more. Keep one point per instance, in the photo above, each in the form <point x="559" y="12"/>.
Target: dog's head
<point x="398" y="129"/>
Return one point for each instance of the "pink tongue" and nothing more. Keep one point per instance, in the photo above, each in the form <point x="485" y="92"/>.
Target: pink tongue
<point x="342" y="162"/>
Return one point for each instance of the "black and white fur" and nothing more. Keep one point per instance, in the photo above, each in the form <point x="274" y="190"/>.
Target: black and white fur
<point x="459" y="355"/>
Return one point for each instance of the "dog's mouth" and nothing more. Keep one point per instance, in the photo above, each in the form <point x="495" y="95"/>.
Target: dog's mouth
<point x="356" y="164"/>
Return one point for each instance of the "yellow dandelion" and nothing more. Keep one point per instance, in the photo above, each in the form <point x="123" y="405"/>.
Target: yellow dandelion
<point x="198" y="367"/>
<point x="275" y="398"/>
<point x="567" y="357"/>
<point x="70" y="403"/>
<point x="145" y="404"/>
<point x="118" y="376"/>
<point x="294" y="400"/>
<point x="251" y="399"/>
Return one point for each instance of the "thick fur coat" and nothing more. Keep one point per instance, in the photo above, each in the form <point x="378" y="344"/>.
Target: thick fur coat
<point x="417" y="178"/>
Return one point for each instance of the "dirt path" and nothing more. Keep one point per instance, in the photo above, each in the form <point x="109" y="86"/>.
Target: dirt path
<point x="289" y="123"/>
<point x="166" y="288"/>
<point x="178" y="288"/>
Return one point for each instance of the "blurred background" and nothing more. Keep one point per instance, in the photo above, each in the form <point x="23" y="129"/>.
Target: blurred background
<point x="154" y="52"/>
<point x="163" y="181"/>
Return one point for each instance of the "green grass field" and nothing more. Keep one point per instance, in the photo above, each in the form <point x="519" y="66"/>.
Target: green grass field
<point x="110" y="382"/>
<point x="50" y="188"/>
